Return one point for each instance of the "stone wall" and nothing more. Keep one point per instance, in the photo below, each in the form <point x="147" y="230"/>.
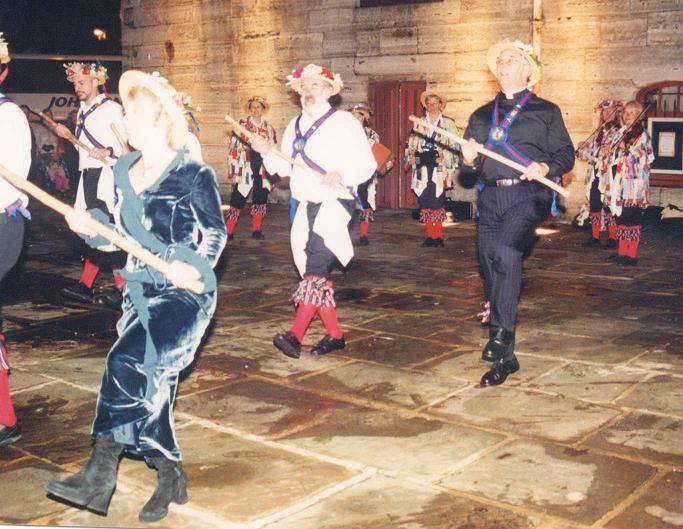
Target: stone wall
<point x="222" y="51"/>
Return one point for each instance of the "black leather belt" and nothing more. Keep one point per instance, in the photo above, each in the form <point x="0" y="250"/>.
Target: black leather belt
<point x="504" y="182"/>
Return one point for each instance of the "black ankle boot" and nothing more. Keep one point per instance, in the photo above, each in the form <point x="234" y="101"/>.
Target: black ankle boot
<point x="92" y="486"/>
<point x="501" y="344"/>
<point x="172" y="487"/>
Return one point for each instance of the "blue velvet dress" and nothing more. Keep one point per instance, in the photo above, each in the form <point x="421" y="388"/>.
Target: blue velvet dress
<point x="179" y="217"/>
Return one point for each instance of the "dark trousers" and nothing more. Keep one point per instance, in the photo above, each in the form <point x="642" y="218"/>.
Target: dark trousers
<point x="260" y="193"/>
<point x="428" y="198"/>
<point x="508" y="216"/>
<point x="319" y="259"/>
<point x="11" y="240"/>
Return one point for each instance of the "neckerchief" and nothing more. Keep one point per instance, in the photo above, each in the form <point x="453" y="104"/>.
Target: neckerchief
<point x="80" y="124"/>
<point x="429" y="142"/>
<point x="4" y="99"/>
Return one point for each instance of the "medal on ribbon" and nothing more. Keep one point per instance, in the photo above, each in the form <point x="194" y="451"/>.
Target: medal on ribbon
<point x="298" y="144"/>
<point x="497" y="135"/>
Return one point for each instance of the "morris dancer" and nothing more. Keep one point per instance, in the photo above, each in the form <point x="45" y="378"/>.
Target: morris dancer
<point x="247" y="169"/>
<point x="96" y="186"/>
<point x="169" y="203"/>
<point x="531" y="131"/>
<point x="15" y="155"/>
<point x="433" y="164"/>
<point x="597" y="152"/>
<point x="333" y="143"/>
<point x="629" y="192"/>
<point x="367" y="191"/>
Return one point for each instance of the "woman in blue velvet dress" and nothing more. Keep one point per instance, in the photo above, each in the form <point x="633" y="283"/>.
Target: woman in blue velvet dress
<point x="170" y="205"/>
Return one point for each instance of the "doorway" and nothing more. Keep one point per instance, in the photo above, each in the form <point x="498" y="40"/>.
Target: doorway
<point x="393" y="102"/>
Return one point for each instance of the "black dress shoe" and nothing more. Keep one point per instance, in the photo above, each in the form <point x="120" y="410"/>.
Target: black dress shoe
<point x="327" y="345"/>
<point x="78" y="292"/>
<point x="590" y="242"/>
<point x="363" y="241"/>
<point x="627" y="261"/>
<point x="499" y="372"/>
<point x="611" y="243"/>
<point x="428" y="242"/>
<point x="288" y="344"/>
<point x="258" y="235"/>
<point x="113" y="300"/>
<point x="9" y="434"/>
<point x="438" y="242"/>
<point x="501" y="344"/>
<point x="230" y="236"/>
<point x="614" y="258"/>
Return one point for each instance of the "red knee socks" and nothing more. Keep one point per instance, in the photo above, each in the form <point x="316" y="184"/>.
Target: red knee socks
<point x="328" y="315"/>
<point x="632" y="249"/>
<point x="364" y="226"/>
<point x="612" y="231"/>
<point x="595" y="230"/>
<point x="256" y="221"/>
<point x="7" y="416"/>
<point x="438" y="230"/>
<point x="304" y="315"/>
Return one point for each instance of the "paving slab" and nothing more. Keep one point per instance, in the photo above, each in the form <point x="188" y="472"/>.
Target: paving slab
<point x="524" y="412"/>
<point x="577" y="485"/>
<point x="395" y="350"/>
<point x="260" y="407"/>
<point x="407" y="446"/>
<point x="388" y="503"/>
<point x="590" y="382"/>
<point x="659" y="508"/>
<point x="240" y="480"/>
<point x="388" y="385"/>
<point x="661" y="393"/>
<point x="23" y="491"/>
<point x="643" y="436"/>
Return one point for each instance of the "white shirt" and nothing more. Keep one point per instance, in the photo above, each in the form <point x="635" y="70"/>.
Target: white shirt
<point x="15" y="150"/>
<point x="98" y="124"/>
<point x="340" y="145"/>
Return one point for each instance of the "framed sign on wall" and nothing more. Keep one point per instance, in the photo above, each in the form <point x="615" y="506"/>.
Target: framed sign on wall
<point x="667" y="143"/>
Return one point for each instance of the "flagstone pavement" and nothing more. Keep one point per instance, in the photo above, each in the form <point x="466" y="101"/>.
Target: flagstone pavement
<point x="393" y="431"/>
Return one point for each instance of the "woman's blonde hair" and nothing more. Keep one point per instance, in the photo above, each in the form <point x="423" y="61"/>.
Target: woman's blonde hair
<point x="161" y="117"/>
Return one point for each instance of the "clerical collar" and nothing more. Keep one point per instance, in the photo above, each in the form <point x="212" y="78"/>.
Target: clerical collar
<point x="513" y="95"/>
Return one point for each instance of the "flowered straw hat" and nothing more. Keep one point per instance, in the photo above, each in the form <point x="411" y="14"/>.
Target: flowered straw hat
<point x="89" y="69"/>
<point x="317" y="72"/>
<point x="526" y="50"/>
<point x="170" y="99"/>
<point x="363" y="109"/>
<point x="257" y="99"/>
<point x="609" y="103"/>
<point x="432" y="93"/>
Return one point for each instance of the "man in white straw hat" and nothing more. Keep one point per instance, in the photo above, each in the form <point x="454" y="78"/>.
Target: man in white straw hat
<point x="98" y="112"/>
<point x="529" y="130"/>
<point x="332" y="143"/>
<point x="247" y="171"/>
<point x="15" y="155"/>
<point x="433" y="162"/>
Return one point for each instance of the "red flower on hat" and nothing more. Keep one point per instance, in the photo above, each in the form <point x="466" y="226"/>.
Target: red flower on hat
<point x="327" y="72"/>
<point x="297" y="73"/>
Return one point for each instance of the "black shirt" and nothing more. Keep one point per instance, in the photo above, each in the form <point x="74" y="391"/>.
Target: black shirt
<point x="538" y="132"/>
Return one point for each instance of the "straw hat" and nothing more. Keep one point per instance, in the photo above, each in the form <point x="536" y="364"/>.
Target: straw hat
<point x="257" y="99"/>
<point x="363" y="109"/>
<point x="89" y="69"/>
<point x="170" y="100"/>
<point x="432" y="93"/>
<point x="4" y="50"/>
<point x="609" y="103"/>
<point x="316" y="72"/>
<point x="526" y="50"/>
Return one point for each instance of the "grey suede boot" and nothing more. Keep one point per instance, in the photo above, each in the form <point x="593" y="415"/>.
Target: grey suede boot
<point x="172" y="487"/>
<point x="92" y="486"/>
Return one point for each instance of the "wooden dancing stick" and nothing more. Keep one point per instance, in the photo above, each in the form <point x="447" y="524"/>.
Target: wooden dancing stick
<point x="490" y="154"/>
<point x="126" y="245"/>
<point x="249" y="135"/>
<point x="69" y="137"/>
<point x="122" y="142"/>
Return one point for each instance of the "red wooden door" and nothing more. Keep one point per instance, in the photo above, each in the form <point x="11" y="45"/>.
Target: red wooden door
<point x="393" y="102"/>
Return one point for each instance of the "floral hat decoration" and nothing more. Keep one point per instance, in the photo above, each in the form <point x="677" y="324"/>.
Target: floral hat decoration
<point x="604" y="104"/>
<point x="89" y="69"/>
<point x="171" y="100"/>
<point x="257" y="99"/>
<point x="189" y="107"/>
<point x="316" y="72"/>
<point x="526" y="50"/>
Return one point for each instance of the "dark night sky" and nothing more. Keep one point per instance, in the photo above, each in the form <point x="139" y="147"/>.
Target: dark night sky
<point x="61" y="26"/>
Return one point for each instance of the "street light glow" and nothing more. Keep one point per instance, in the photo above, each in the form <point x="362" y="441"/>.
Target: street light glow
<point x="99" y="33"/>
